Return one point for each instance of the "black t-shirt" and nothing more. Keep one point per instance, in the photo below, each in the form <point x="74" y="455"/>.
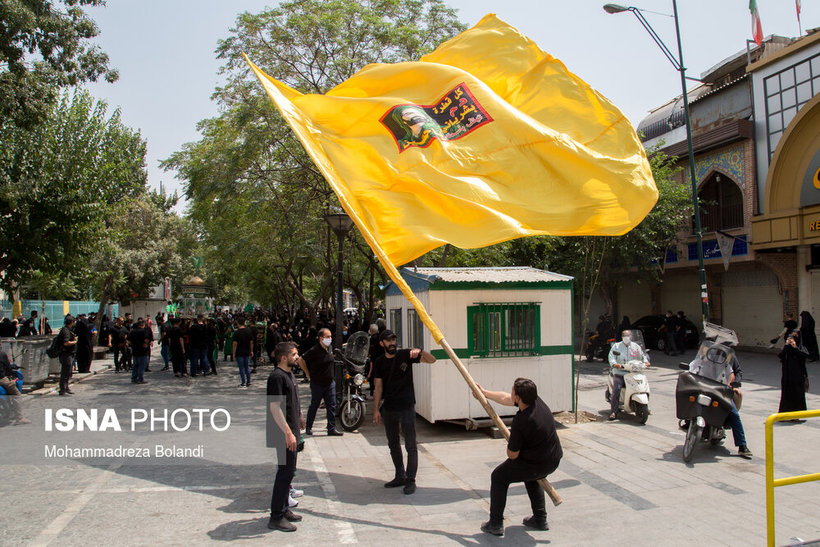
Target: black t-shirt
<point x="174" y="336"/>
<point x="198" y="336"/>
<point x="118" y="335"/>
<point x="140" y="340"/>
<point x="319" y="363"/>
<point x="163" y="333"/>
<point x="533" y="433"/>
<point x="244" y="339"/>
<point x="281" y="383"/>
<point x="397" y="379"/>
<point x="67" y="335"/>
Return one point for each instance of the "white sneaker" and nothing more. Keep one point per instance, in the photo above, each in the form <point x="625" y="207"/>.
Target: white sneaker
<point x="294" y="493"/>
<point x="292" y="502"/>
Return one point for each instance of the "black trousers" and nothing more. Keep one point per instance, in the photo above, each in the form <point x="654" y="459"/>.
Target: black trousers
<point x="510" y="471"/>
<point x="66" y="368"/>
<point x="281" y="486"/>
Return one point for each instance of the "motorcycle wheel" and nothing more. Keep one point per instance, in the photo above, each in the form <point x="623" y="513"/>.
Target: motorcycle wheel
<point x="661" y="343"/>
<point x="642" y="412"/>
<point x="351" y="414"/>
<point x="690" y="441"/>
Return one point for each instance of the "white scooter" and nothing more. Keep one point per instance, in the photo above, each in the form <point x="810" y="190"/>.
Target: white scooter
<point x="635" y="393"/>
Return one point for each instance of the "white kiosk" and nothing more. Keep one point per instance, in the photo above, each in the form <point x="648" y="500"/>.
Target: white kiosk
<point x="503" y="323"/>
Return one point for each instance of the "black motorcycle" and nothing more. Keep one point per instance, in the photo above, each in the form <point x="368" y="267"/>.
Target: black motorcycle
<point x="703" y="401"/>
<point x="597" y="346"/>
<point x="352" y="407"/>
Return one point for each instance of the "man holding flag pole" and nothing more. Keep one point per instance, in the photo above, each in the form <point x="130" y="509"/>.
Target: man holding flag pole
<point x="495" y="122"/>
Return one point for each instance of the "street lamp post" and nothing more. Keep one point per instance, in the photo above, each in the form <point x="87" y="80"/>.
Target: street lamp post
<point x="341" y="224"/>
<point x="677" y="62"/>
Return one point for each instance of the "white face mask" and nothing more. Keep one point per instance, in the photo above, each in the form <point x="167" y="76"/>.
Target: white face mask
<point x="627" y="340"/>
<point x="327" y="342"/>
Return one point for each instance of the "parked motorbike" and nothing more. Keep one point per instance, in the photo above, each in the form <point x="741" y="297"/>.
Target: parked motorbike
<point x="5" y="405"/>
<point x="353" y="360"/>
<point x="703" y="400"/>
<point x="597" y="346"/>
<point x="635" y="393"/>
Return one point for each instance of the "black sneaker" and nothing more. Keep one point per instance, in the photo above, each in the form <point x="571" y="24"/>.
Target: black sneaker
<point x="281" y="524"/>
<point x="744" y="452"/>
<point x="409" y="487"/>
<point x="334" y="433"/>
<point x="308" y="431"/>
<point x="538" y="524"/>
<point x="494" y="529"/>
<point x="290" y="516"/>
<point x="395" y="483"/>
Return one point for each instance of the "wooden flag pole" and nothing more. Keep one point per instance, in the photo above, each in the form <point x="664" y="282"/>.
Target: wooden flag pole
<point x="394" y="274"/>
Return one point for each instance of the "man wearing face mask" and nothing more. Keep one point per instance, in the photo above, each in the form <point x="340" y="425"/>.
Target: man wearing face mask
<point x="621" y="353"/>
<point x="317" y="364"/>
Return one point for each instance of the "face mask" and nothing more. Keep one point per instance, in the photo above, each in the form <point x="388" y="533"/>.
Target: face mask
<point x="627" y="340"/>
<point x="327" y="342"/>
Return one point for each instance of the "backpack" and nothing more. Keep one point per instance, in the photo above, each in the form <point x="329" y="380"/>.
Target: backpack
<point x="55" y="348"/>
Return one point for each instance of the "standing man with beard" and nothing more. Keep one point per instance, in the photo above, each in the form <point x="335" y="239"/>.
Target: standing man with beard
<point x="283" y="420"/>
<point x="68" y="347"/>
<point x="393" y="375"/>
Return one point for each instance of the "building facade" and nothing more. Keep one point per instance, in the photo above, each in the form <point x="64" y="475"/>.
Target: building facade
<point x="750" y="213"/>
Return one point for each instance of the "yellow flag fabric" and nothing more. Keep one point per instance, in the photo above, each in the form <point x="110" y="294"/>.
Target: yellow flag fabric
<point x="486" y="139"/>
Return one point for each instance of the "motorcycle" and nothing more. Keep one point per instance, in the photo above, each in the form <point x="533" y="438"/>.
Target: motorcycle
<point x="5" y="405"/>
<point x="635" y="393"/>
<point x="597" y="346"/>
<point x="353" y="360"/>
<point x="703" y="400"/>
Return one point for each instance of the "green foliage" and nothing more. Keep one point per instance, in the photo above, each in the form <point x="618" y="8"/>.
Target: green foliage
<point x="44" y="46"/>
<point x="59" y="181"/>
<point x="255" y="195"/>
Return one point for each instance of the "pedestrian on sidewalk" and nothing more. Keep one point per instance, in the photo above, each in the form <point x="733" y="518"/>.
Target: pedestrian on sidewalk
<point x="794" y="380"/>
<point x="533" y="452"/>
<point x="282" y="389"/>
<point x="393" y="375"/>
<point x="242" y="343"/>
<point x="808" y="337"/>
<point x="68" y="347"/>
<point x="141" y="339"/>
<point x="789" y="325"/>
<point x="318" y="364"/>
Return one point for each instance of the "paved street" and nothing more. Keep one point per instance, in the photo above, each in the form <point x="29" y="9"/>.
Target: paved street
<point x="622" y="483"/>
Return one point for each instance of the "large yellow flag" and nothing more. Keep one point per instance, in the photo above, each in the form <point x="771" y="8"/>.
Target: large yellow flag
<point x="486" y="139"/>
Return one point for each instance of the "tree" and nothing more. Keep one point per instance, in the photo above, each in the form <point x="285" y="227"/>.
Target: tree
<point x="255" y="195"/>
<point x="145" y="242"/>
<point x="59" y="181"/>
<point x="45" y="46"/>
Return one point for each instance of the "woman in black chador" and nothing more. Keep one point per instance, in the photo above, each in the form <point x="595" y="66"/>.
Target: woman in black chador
<point x="793" y="380"/>
<point x="807" y="335"/>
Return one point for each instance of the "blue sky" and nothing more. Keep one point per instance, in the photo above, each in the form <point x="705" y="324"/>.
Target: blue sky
<point x="164" y="51"/>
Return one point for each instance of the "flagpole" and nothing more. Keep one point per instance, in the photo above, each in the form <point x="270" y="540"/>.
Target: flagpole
<point x="394" y="274"/>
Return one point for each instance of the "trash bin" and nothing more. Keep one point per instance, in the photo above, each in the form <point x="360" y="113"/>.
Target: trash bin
<point x="35" y="362"/>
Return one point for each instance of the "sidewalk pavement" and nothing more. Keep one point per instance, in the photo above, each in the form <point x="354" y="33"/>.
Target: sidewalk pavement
<point x="622" y="483"/>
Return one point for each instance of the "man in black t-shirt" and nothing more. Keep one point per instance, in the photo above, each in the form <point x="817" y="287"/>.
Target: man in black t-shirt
<point x="198" y="341"/>
<point x="533" y="452"/>
<point x="393" y="375"/>
<point x="176" y="345"/>
<point x="287" y="424"/>
<point x="68" y="348"/>
<point x="317" y="365"/>
<point x="141" y="339"/>
<point x="243" y="340"/>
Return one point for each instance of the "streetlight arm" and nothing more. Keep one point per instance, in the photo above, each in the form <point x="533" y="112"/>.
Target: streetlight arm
<point x="669" y="55"/>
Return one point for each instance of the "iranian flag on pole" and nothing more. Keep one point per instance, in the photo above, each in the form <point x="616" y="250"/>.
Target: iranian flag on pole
<point x="757" y="28"/>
